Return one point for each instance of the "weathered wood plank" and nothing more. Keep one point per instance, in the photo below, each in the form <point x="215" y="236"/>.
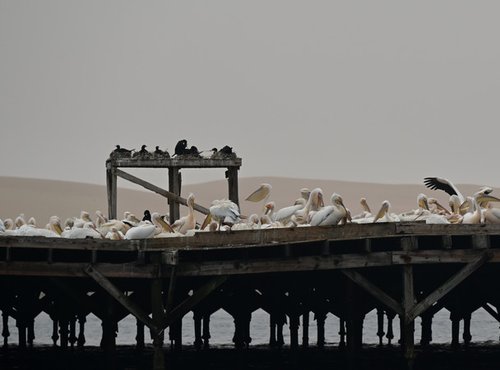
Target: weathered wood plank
<point x="175" y="162"/>
<point x="172" y="196"/>
<point x="117" y="294"/>
<point x="374" y="290"/>
<point x="257" y="238"/>
<point x="451" y="283"/>
<point x="248" y="266"/>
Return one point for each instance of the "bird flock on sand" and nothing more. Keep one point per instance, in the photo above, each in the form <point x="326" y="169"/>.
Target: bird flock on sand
<point x="307" y="210"/>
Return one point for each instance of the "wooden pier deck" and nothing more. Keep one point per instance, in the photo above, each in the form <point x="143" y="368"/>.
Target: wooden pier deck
<point x="406" y="269"/>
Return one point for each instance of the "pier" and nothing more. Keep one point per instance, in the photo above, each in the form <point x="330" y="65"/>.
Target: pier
<point x="407" y="270"/>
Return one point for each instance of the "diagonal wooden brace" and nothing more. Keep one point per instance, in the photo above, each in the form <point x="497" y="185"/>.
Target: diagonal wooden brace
<point x="374" y="290"/>
<point x="450" y="284"/>
<point x="117" y="294"/>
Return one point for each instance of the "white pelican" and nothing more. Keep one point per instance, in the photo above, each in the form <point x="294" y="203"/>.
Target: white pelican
<point x="367" y="212"/>
<point x="284" y="215"/>
<point x="2" y="226"/>
<point x="87" y="231"/>
<point x="9" y="224"/>
<point x="20" y="220"/>
<point x="435" y="183"/>
<point x="163" y="229"/>
<point x="491" y="215"/>
<point x="437" y="208"/>
<point x="304" y="193"/>
<point x="32" y="221"/>
<point x="187" y="222"/>
<point x="252" y="223"/>
<point x="314" y="203"/>
<point x="330" y="215"/>
<point x="224" y="211"/>
<point x="120" y="226"/>
<point x="262" y="193"/>
<point x="383" y="214"/>
<point x="421" y="212"/>
<point x="473" y="216"/>
<point x="84" y="217"/>
<point x="100" y="219"/>
<point x="28" y="230"/>
<point x="435" y="218"/>
<point x="142" y="231"/>
<point x="269" y="209"/>
<point x="114" y="234"/>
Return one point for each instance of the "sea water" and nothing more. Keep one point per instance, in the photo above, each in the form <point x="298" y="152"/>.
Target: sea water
<point x="484" y="328"/>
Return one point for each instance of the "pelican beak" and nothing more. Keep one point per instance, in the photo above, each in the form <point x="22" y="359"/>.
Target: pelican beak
<point x="440" y="207"/>
<point x="380" y="214"/>
<point x="258" y="194"/>
<point x="165" y="226"/>
<point x="57" y="228"/>
<point x="321" y="203"/>
<point x="464" y="207"/>
<point x="206" y="221"/>
<point x="487" y="198"/>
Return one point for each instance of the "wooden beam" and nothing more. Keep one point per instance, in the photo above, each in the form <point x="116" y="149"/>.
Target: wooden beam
<point x="181" y="162"/>
<point x="450" y="284"/>
<point x="491" y="311"/>
<point x="189" y="303"/>
<point x="167" y="194"/>
<point x="117" y="294"/>
<point x="111" y="185"/>
<point x="174" y="187"/>
<point x="374" y="290"/>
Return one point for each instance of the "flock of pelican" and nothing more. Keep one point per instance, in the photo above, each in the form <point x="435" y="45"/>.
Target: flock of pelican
<point x="307" y="210"/>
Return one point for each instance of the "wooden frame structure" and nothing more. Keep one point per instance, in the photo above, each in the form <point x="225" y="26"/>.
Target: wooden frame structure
<point x="174" y="166"/>
<point x="405" y="269"/>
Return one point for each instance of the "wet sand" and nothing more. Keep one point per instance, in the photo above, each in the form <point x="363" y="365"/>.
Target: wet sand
<point x="440" y="357"/>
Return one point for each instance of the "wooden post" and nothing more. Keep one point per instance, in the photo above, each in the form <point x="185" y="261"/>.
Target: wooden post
<point x="174" y="186"/>
<point x="294" y="331"/>
<point x="426" y="337"/>
<point x="158" y="313"/>
<point x="305" y="329"/>
<point x="31" y="331"/>
<point x="21" y="327"/>
<point x="390" y="331"/>
<point x="206" y="331"/>
<point x="72" y="332"/>
<point x="55" y="334"/>
<point x="467" y="334"/>
<point x="320" y="318"/>
<point x="198" y="341"/>
<point x="380" y="325"/>
<point x="342" y="333"/>
<point x="81" y="331"/>
<point x="408" y="325"/>
<point x="5" y="328"/>
<point x="455" y="329"/>
<point x="232" y="180"/>
<point x="111" y="185"/>
<point x="139" y="338"/>
<point x="272" y="330"/>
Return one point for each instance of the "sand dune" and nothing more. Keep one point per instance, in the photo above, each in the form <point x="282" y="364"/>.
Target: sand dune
<point x="44" y="198"/>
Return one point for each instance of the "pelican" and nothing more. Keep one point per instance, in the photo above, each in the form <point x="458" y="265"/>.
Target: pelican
<point x="28" y="230"/>
<point x="284" y="215"/>
<point x="304" y="193"/>
<point x="114" y="234"/>
<point x="367" y="212"/>
<point x="84" y="218"/>
<point x="187" y="222"/>
<point x="87" y="231"/>
<point x="142" y="231"/>
<point x="491" y="215"/>
<point x="100" y="219"/>
<point x="314" y="202"/>
<point x="9" y="224"/>
<point x="435" y="183"/>
<point x="473" y="216"/>
<point x="421" y="212"/>
<point x="437" y="208"/>
<point x="2" y="226"/>
<point x="224" y="211"/>
<point x="269" y="209"/>
<point x="20" y="220"/>
<point x="383" y="214"/>
<point x="120" y="226"/>
<point x="330" y="215"/>
<point x="262" y="193"/>
<point x="161" y="225"/>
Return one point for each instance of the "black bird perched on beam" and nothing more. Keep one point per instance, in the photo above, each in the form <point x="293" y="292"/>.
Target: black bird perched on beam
<point x="142" y="153"/>
<point x="180" y="147"/>
<point x="121" y="152"/>
<point x="160" y="153"/>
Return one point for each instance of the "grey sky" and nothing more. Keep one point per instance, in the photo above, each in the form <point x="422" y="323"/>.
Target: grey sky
<point x="376" y="91"/>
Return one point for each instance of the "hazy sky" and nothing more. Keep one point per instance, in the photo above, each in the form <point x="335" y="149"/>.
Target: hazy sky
<point x="376" y="91"/>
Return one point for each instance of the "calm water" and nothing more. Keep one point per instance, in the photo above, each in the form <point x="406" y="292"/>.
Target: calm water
<point x="483" y="328"/>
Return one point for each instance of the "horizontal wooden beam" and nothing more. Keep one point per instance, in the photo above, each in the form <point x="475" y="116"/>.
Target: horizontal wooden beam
<point x="117" y="294"/>
<point x="374" y="290"/>
<point x="158" y="190"/>
<point x="175" y="162"/>
<point x="241" y="266"/>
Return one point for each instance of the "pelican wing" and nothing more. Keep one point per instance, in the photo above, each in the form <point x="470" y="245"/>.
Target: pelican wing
<point x="438" y="183"/>
<point x="321" y="215"/>
<point x="261" y="193"/>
